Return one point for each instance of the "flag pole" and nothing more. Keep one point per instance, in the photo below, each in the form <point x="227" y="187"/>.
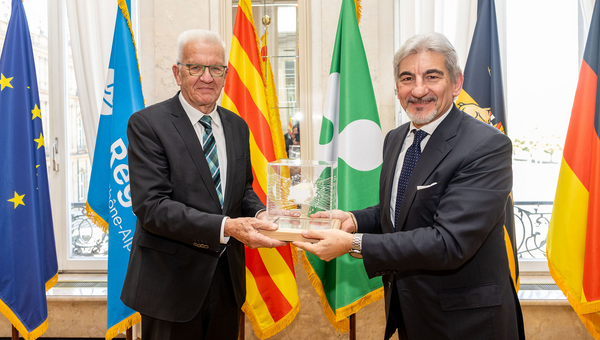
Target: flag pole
<point x="242" y="331"/>
<point x="15" y="333"/>
<point x="129" y="334"/>
<point x="353" y="326"/>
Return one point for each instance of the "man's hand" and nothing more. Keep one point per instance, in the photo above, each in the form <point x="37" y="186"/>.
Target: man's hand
<point x="332" y="243"/>
<point x="245" y="230"/>
<point x="347" y="221"/>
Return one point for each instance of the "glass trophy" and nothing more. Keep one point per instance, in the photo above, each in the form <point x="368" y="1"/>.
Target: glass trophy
<point x="296" y="190"/>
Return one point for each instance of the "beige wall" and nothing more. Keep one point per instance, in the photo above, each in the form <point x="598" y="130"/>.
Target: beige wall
<point x="162" y="21"/>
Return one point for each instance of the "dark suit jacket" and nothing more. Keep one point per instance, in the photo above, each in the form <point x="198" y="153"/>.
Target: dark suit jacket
<point x="449" y="259"/>
<point x="176" y="243"/>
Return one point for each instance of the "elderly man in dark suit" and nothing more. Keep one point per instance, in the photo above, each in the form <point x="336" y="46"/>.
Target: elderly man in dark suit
<point x="191" y="186"/>
<point x="437" y="235"/>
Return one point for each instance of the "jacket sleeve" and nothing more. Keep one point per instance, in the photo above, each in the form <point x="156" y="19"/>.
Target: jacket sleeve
<point x="152" y="173"/>
<point x="470" y="204"/>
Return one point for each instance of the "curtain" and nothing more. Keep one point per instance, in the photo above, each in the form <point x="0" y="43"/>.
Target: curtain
<point x="454" y="18"/>
<point x="91" y="25"/>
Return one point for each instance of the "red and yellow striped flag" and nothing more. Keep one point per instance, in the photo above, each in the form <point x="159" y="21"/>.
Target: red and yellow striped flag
<point x="272" y="295"/>
<point x="573" y="248"/>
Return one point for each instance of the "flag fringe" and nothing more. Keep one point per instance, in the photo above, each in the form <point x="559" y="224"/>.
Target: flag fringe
<point x="275" y="327"/>
<point x="587" y="312"/>
<point x="123" y="325"/>
<point x="358" y="7"/>
<point x="50" y="283"/>
<point x="95" y="218"/>
<point x="354" y="307"/>
<point x="15" y="321"/>
<point x="341" y="326"/>
<point x="294" y="251"/>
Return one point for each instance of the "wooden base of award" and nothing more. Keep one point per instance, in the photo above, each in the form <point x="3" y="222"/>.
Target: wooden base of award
<point x="290" y="229"/>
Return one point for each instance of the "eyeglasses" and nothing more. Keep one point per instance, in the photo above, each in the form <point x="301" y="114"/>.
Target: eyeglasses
<point x="197" y="70"/>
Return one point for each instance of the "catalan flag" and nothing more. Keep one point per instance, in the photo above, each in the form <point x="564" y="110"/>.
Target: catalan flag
<point x="272" y="296"/>
<point x="350" y="111"/>
<point x="28" y="264"/>
<point x="109" y="198"/>
<point x="573" y="248"/>
<point x="482" y="97"/>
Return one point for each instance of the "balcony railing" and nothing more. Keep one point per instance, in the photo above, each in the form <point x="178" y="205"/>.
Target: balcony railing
<point x="531" y="228"/>
<point x="532" y="219"/>
<point x="87" y="240"/>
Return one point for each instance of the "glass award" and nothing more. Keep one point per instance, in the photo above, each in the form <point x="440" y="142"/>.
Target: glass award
<point x="296" y="190"/>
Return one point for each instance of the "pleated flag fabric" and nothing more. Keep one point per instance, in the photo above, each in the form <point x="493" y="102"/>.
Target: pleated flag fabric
<point x="573" y="248"/>
<point x="28" y="263"/>
<point x="272" y="296"/>
<point x="109" y="197"/>
<point x="482" y="97"/>
<point x="350" y="111"/>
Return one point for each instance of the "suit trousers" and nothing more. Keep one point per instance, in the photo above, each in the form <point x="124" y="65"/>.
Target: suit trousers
<point x="396" y="316"/>
<point x="217" y="319"/>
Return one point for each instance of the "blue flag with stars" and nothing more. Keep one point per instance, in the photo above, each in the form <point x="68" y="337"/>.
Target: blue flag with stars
<point x="28" y="264"/>
<point x="109" y="197"/>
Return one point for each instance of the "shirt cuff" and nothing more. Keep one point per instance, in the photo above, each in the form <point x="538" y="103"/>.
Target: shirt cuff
<point x="224" y="239"/>
<point x="258" y="212"/>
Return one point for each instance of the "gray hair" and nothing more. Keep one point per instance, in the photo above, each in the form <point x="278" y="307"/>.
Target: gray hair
<point x="198" y="35"/>
<point x="432" y="42"/>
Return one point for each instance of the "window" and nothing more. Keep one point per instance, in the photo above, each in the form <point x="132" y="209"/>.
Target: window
<point x="283" y="53"/>
<point x="77" y="239"/>
<point x="538" y="103"/>
<point x="539" y="107"/>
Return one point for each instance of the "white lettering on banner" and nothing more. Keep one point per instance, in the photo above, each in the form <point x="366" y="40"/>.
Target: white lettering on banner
<point x="120" y="155"/>
<point x="127" y="194"/>
<point x="116" y="219"/>
<point x="121" y="171"/>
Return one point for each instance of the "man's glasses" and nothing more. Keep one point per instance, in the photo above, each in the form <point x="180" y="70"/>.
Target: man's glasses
<point x="197" y="70"/>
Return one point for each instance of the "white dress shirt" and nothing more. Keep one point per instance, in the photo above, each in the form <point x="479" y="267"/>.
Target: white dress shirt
<point x="410" y="137"/>
<point x="217" y="130"/>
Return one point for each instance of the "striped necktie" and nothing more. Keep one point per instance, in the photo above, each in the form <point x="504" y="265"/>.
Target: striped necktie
<point x="410" y="159"/>
<point x="210" y="152"/>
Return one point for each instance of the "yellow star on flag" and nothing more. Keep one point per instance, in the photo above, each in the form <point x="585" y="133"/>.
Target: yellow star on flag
<point x="4" y="82"/>
<point x="40" y="141"/>
<point x="36" y="112"/>
<point x="18" y="199"/>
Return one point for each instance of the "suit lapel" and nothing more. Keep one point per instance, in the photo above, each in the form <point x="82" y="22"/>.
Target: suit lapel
<point x="435" y="151"/>
<point x="190" y="138"/>
<point x="395" y="143"/>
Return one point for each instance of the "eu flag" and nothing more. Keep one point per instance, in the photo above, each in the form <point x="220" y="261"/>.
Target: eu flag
<point x="109" y="198"/>
<point x="28" y="264"/>
<point x="482" y="97"/>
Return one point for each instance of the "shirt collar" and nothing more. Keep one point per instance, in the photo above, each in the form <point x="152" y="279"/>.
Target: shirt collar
<point x="194" y="115"/>
<point x="430" y="128"/>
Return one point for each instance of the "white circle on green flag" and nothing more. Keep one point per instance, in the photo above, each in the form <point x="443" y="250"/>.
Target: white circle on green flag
<point x="360" y="145"/>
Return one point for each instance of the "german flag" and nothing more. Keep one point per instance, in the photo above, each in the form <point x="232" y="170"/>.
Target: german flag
<point x="482" y="97"/>
<point x="272" y="296"/>
<point x="573" y="248"/>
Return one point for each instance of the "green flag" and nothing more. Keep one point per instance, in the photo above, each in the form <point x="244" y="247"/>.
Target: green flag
<point x="350" y="135"/>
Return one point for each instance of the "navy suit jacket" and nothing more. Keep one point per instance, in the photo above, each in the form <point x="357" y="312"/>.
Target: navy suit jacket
<point x="176" y="244"/>
<point x="448" y="259"/>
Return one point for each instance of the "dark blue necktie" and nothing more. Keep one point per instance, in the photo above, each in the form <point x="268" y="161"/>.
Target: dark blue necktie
<point x="210" y="151"/>
<point x="410" y="159"/>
